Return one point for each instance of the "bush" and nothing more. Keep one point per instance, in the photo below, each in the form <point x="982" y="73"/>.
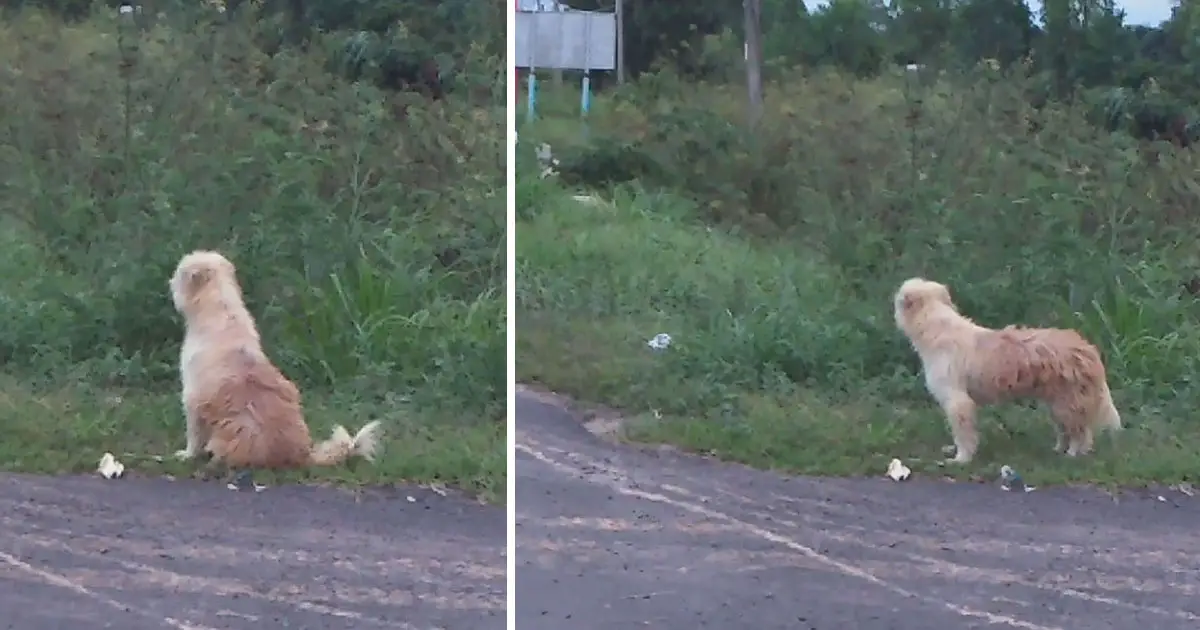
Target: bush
<point x="367" y="226"/>
<point x="772" y="256"/>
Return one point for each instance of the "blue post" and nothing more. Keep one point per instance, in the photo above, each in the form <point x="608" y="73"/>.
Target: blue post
<point x="585" y="101"/>
<point x="531" y="104"/>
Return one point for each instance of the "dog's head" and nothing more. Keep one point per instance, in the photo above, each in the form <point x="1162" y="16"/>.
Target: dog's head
<point x="916" y="295"/>
<point x="200" y="276"/>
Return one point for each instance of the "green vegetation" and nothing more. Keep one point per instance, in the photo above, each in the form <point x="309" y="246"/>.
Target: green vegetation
<point x="366" y="221"/>
<point x="771" y="258"/>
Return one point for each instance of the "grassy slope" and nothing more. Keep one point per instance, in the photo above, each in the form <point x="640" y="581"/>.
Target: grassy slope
<point x="596" y="282"/>
<point x="60" y="417"/>
<point x="66" y="429"/>
<point x="63" y="422"/>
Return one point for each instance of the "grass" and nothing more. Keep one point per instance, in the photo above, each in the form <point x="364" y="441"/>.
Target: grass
<point x="367" y="227"/>
<point x="65" y="429"/>
<point x="784" y="353"/>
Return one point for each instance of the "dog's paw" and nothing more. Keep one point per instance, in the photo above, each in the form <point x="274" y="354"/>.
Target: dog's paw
<point x="960" y="458"/>
<point x="184" y="454"/>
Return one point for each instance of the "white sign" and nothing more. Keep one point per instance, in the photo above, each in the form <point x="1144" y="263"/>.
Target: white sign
<point x="566" y="40"/>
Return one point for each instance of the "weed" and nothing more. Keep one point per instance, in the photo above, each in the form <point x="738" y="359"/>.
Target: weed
<point x="771" y="260"/>
<point x="127" y="145"/>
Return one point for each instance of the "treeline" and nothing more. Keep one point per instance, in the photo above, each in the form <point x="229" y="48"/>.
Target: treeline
<point x="429" y="46"/>
<point x="1145" y="79"/>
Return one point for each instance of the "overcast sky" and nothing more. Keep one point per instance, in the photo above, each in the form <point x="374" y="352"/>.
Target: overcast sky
<point x="1148" y="12"/>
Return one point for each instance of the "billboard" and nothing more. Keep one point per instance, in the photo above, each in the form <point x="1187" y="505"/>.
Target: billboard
<point x="566" y="40"/>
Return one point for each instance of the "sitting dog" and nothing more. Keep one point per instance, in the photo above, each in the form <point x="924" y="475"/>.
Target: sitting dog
<point x="967" y="365"/>
<point x="240" y="408"/>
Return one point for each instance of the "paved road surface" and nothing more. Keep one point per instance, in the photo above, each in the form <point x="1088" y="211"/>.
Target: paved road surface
<point x="153" y="554"/>
<point x="616" y="538"/>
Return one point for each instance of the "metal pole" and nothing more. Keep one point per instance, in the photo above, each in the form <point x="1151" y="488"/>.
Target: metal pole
<point x="753" y="13"/>
<point x="620" y="42"/>
<point x="516" y="71"/>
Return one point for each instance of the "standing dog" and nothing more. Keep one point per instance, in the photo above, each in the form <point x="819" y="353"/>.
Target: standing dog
<point x="967" y="365"/>
<point x="239" y="406"/>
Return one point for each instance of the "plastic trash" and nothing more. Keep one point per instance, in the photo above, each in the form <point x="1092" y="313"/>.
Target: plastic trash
<point x="110" y="468"/>
<point x="546" y="159"/>
<point x="244" y="480"/>
<point x="660" y="342"/>
<point x="897" y="471"/>
<point x="1011" y="480"/>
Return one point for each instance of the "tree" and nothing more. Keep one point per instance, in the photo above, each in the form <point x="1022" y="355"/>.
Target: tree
<point x="661" y="29"/>
<point x="993" y="29"/>
<point x="920" y="29"/>
<point x="850" y="34"/>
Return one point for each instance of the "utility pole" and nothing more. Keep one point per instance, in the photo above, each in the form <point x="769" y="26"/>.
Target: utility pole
<point x="753" y="54"/>
<point x="620" y="42"/>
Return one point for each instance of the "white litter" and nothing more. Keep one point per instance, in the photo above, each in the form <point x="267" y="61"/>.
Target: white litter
<point x="234" y="487"/>
<point x="110" y="468"/>
<point x="897" y="471"/>
<point x="661" y="341"/>
<point x="546" y="159"/>
<point x="1010" y="480"/>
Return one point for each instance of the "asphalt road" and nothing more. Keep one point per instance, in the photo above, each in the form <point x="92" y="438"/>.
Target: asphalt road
<point x="154" y="554"/>
<point x="612" y="537"/>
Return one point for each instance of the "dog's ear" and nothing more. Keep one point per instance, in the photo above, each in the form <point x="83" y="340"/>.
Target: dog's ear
<point x="944" y="295"/>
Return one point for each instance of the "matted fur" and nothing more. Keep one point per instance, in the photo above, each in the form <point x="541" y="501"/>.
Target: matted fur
<point x="239" y="406"/>
<point x="967" y="365"/>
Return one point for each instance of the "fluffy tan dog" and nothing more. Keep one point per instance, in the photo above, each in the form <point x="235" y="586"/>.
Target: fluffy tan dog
<point x="967" y="365"/>
<point x="239" y="406"/>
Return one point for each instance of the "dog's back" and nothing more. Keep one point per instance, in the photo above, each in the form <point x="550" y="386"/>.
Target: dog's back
<point x="1041" y="362"/>
<point x="252" y="409"/>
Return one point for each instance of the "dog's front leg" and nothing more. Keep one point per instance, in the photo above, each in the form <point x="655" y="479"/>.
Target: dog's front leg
<point x="960" y="413"/>
<point x="196" y="438"/>
<point x="1060" y="439"/>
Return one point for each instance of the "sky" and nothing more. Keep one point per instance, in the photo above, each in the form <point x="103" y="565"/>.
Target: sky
<point x="1147" y="12"/>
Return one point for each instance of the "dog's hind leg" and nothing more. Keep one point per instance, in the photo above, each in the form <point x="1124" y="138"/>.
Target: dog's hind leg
<point x="1072" y="424"/>
<point x="1081" y="442"/>
<point x="960" y="413"/>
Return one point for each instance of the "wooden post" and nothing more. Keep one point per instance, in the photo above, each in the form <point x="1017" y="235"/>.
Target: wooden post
<point x="620" y="42"/>
<point x="753" y="11"/>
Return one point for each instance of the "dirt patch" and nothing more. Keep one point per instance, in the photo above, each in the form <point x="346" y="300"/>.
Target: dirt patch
<point x="603" y="422"/>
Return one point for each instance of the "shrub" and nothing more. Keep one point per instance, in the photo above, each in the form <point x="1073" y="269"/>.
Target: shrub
<point x="367" y="226"/>
<point x="1030" y="214"/>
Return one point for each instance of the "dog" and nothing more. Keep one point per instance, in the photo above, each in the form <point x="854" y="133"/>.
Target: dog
<point x="239" y="407"/>
<point x="967" y="365"/>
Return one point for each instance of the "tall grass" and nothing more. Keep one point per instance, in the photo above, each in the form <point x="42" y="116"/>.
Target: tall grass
<point x="367" y="226"/>
<point x="771" y="258"/>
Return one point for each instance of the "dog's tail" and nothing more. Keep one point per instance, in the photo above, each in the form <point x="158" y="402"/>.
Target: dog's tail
<point x="341" y="446"/>
<point x="1109" y="415"/>
<point x="1106" y="415"/>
